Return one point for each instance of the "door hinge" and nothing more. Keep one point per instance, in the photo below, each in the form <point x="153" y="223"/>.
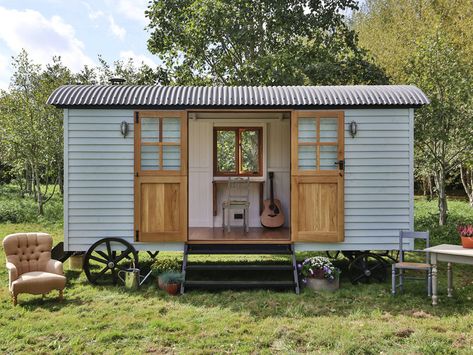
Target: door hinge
<point x="136" y="174"/>
<point x="137" y="235"/>
<point x="137" y="117"/>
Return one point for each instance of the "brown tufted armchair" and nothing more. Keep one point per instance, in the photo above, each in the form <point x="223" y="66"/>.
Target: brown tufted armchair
<point x="30" y="267"/>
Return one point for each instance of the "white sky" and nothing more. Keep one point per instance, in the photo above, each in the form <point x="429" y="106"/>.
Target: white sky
<point x="77" y="30"/>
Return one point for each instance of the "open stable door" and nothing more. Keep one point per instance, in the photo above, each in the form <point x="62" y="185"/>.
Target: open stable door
<point x="160" y="176"/>
<point x="317" y="170"/>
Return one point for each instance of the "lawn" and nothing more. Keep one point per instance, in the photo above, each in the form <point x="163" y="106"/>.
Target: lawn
<point x="356" y="320"/>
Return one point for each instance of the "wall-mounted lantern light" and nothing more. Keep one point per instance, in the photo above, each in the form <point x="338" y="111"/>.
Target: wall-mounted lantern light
<point x="124" y="128"/>
<point x="353" y="129"/>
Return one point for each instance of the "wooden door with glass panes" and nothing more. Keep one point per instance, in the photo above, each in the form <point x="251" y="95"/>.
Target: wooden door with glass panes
<point x="317" y="171"/>
<point x="160" y="176"/>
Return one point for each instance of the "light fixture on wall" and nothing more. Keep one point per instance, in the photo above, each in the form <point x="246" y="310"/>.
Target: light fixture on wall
<point x="124" y="128"/>
<point x="353" y="129"/>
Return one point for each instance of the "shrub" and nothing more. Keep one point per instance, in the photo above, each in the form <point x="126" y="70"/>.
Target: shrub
<point x="17" y="209"/>
<point x="426" y="219"/>
<point x="166" y="265"/>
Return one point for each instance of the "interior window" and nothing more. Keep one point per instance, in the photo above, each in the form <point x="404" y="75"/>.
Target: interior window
<point x="237" y="151"/>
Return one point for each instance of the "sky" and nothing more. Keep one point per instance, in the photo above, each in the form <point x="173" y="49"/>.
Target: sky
<point x="76" y="30"/>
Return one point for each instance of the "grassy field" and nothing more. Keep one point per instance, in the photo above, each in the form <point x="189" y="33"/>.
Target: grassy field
<point x="360" y="319"/>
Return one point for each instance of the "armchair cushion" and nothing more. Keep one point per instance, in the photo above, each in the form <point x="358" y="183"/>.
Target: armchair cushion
<point x="38" y="282"/>
<point x="54" y="267"/>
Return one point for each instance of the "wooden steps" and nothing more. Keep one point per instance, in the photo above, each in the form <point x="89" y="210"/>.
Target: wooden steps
<point x="207" y="272"/>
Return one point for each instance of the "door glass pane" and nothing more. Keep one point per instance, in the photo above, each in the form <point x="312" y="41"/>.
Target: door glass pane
<point x="171" y="157"/>
<point x="149" y="129"/>
<point x="307" y="157"/>
<point x="249" y="140"/>
<point x="171" y="130"/>
<point x="328" y="129"/>
<point x="328" y="157"/>
<point x="149" y="157"/>
<point x="226" y="151"/>
<point x="307" y="130"/>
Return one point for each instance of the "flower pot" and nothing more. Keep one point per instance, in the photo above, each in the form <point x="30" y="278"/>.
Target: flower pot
<point x="467" y="242"/>
<point x="172" y="288"/>
<point x="323" y="284"/>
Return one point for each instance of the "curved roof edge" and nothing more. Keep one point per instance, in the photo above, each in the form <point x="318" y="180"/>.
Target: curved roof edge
<point x="154" y="96"/>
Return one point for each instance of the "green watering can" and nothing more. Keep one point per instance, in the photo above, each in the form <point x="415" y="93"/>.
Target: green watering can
<point x="132" y="278"/>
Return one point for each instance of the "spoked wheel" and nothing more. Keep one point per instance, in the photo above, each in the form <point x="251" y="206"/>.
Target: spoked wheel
<point x="366" y="268"/>
<point x="333" y="254"/>
<point x="106" y="257"/>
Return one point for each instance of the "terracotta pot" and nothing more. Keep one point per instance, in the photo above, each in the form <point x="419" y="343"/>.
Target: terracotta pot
<point x="172" y="289"/>
<point x="323" y="284"/>
<point x="467" y="242"/>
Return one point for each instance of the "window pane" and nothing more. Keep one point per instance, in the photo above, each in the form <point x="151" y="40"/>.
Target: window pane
<point x="226" y="150"/>
<point x="328" y="129"/>
<point x="171" y="130"/>
<point x="149" y="157"/>
<point x="249" y="141"/>
<point x="307" y="130"/>
<point x="328" y="157"/>
<point x="149" y="129"/>
<point x="307" y="157"/>
<point x="172" y="157"/>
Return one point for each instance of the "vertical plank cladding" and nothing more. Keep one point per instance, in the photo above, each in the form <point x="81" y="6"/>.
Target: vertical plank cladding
<point x="99" y="177"/>
<point x="377" y="176"/>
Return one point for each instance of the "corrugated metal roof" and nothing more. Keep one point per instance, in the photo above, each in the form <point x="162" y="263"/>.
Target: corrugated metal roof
<point x="236" y="96"/>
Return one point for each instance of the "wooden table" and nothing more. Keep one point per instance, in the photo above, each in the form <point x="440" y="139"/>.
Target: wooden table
<point x="450" y="254"/>
<point x="214" y="193"/>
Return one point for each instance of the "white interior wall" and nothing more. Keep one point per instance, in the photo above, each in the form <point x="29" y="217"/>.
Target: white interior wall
<point x="276" y="142"/>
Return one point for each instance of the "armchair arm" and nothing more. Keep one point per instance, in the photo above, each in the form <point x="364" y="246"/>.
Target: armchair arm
<point x="54" y="267"/>
<point x="12" y="272"/>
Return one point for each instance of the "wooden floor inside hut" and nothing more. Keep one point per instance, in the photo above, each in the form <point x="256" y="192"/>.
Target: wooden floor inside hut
<point x="237" y="235"/>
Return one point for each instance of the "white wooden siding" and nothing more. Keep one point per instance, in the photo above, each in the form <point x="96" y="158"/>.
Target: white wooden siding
<point x="99" y="177"/>
<point x="99" y="170"/>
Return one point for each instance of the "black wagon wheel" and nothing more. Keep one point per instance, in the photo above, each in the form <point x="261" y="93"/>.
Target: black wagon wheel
<point x="332" y="254"/>
<point x="106" y="257"/>
<point x="366" y="268"/>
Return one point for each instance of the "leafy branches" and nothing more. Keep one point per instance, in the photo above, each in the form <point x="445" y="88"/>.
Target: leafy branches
<point x="261" y="42"/>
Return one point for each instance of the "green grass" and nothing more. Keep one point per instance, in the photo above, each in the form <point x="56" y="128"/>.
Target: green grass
<point x="360" y="319"/>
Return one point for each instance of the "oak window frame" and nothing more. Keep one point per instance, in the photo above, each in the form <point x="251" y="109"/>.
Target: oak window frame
<point x="238" y="160"/>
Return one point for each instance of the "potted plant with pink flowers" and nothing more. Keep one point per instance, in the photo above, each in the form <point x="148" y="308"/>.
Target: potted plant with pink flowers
<point x="320" y="274"/>
<point x="466" y="234"/>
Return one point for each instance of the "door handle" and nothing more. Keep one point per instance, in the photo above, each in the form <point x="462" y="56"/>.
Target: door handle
<point x="341" y="164"/>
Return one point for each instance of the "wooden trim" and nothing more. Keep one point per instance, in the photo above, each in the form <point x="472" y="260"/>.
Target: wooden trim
<point x="191" y="110"/>
<point x="238" y="162"/>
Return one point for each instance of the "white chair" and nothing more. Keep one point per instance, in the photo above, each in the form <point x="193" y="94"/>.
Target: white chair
<point x="237" y="198"/>
<point x="403" y="265"/>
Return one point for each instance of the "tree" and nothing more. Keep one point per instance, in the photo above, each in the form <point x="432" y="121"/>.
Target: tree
<point x="426" y="43"/>
<point x="258" y="42"/>
<point x="133" y="73"/>
<point x="32" y="137"/>
<point x="466" y="176"/>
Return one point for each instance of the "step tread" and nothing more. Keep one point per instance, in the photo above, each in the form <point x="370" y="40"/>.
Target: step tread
<point x="239" y="249"/>
<point x="238" y="283"/>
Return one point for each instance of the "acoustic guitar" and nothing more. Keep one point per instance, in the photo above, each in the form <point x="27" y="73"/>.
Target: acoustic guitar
<point x="272" y="216"/>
